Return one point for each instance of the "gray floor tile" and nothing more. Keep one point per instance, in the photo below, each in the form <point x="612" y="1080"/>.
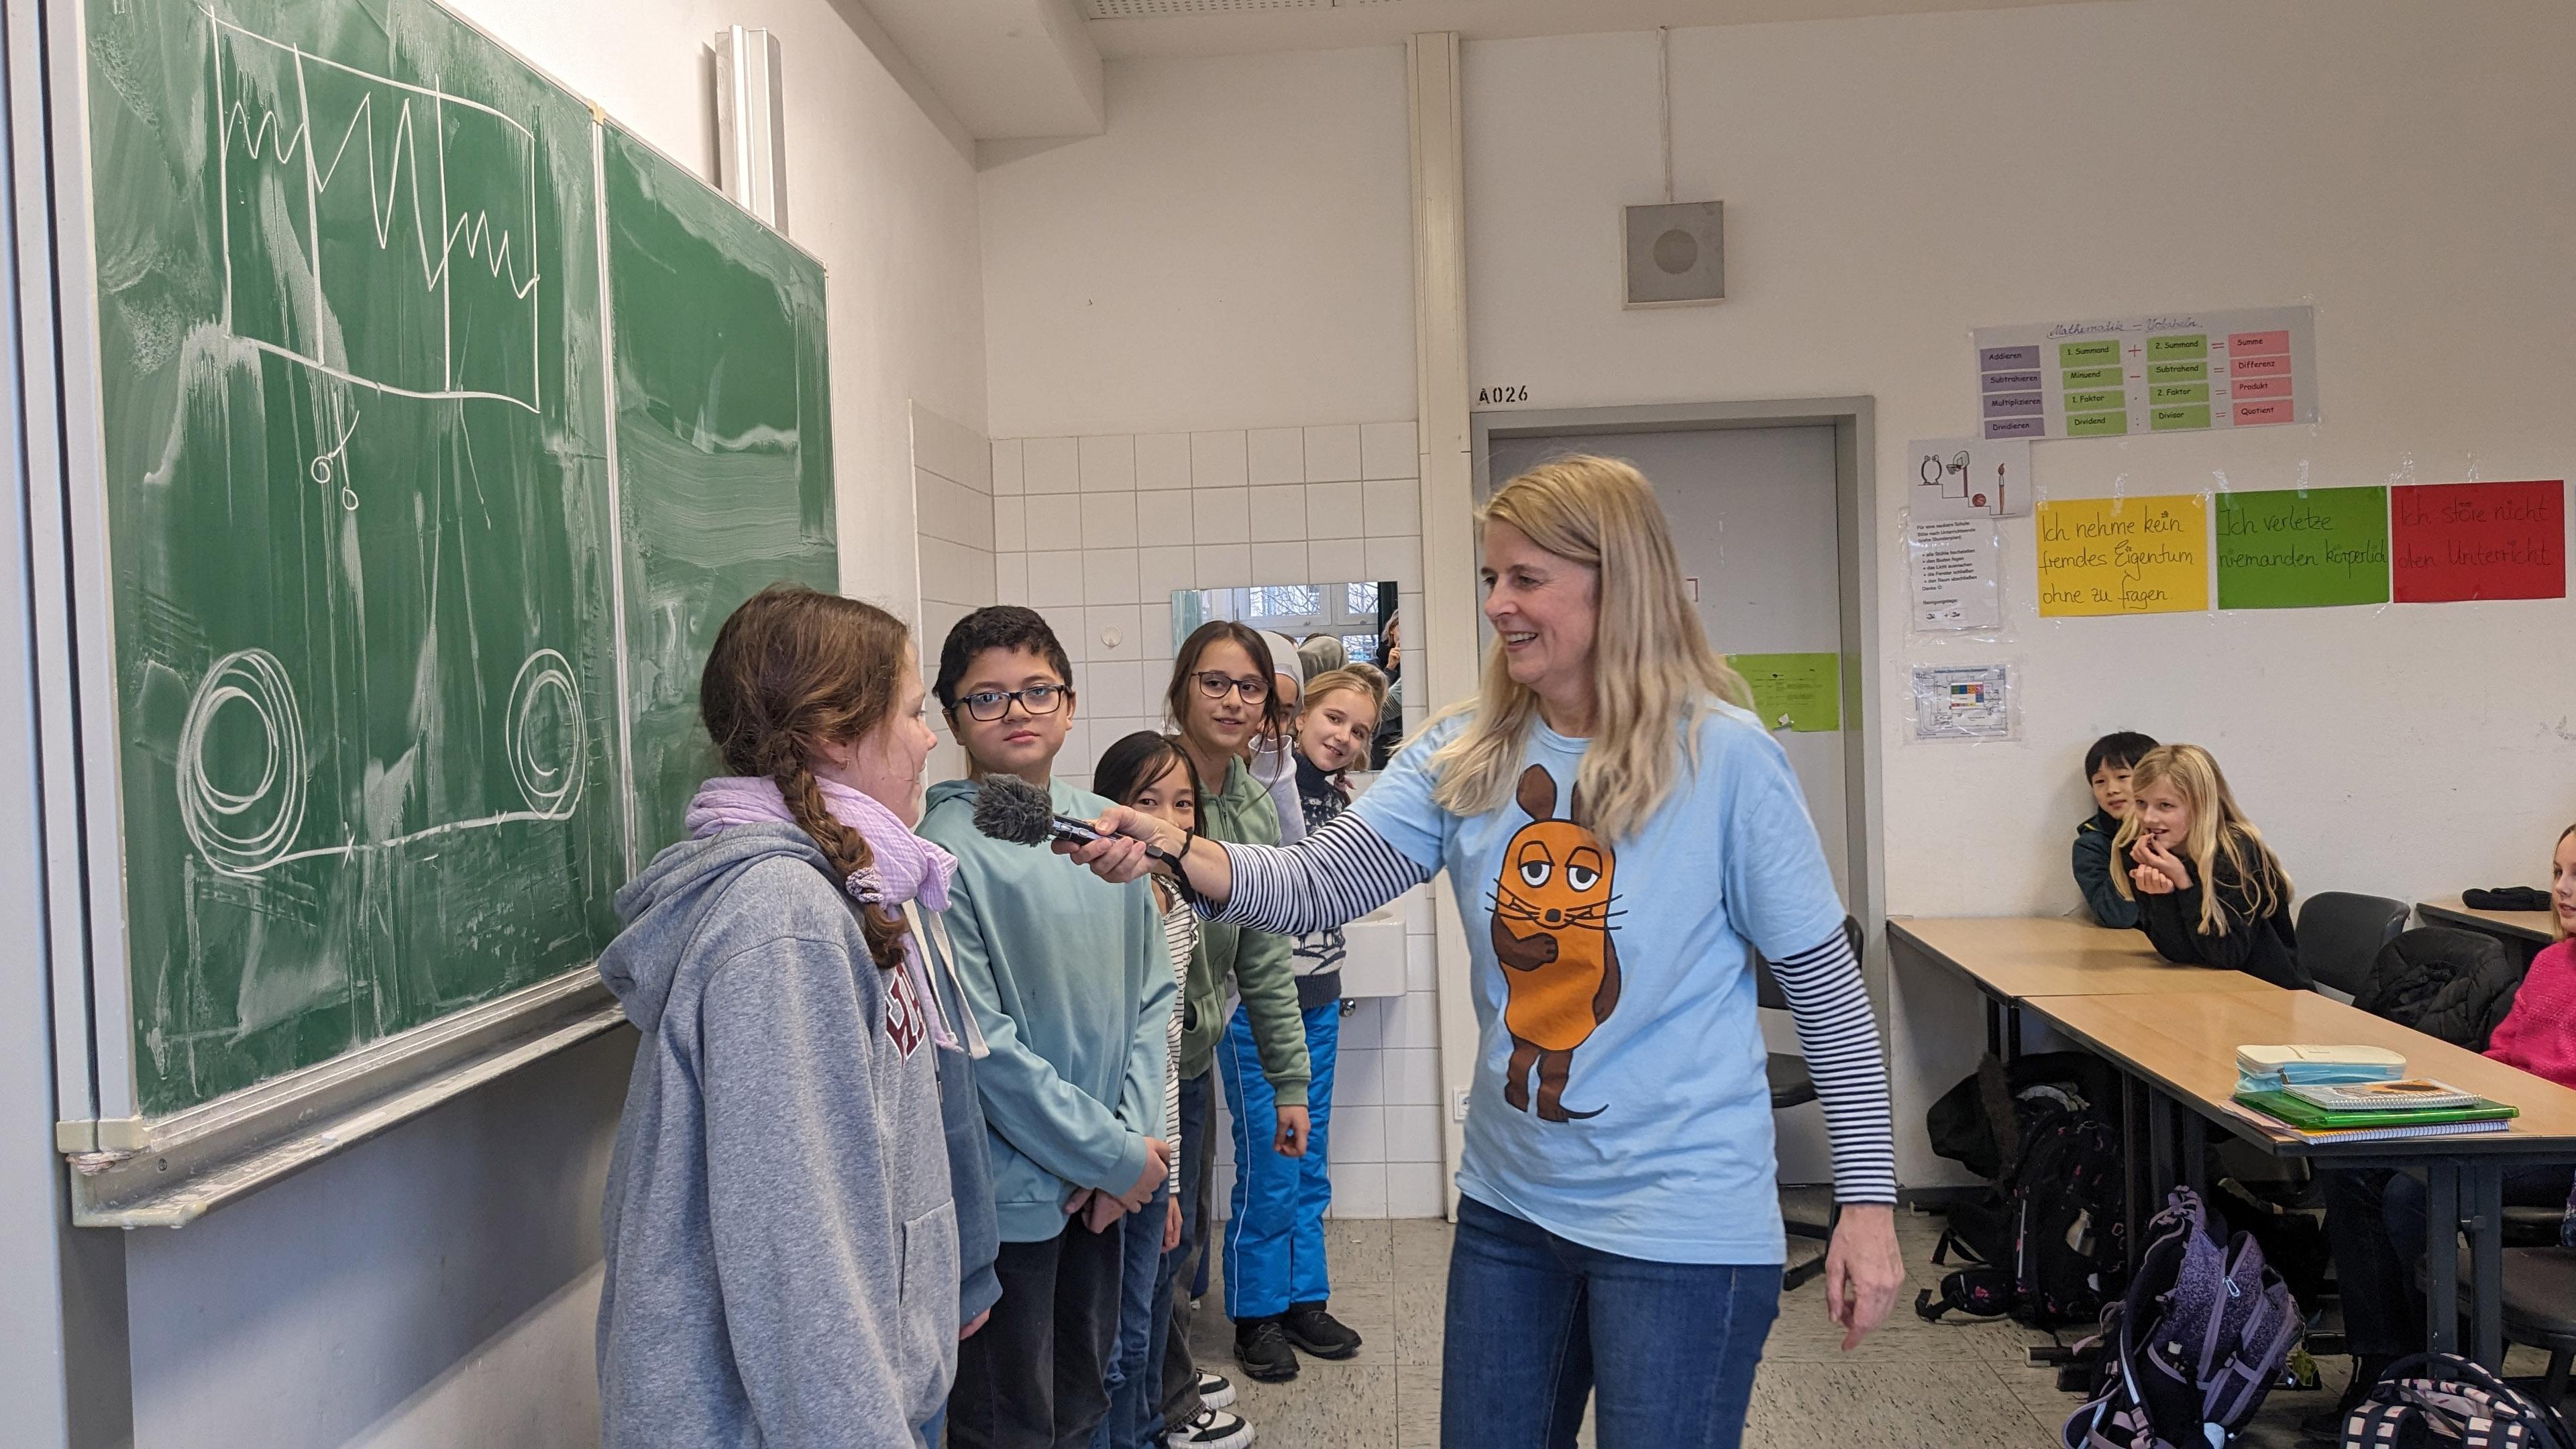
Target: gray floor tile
<point x="1887" y="1406"/>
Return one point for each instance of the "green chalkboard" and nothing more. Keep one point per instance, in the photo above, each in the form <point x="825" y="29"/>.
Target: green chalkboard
<point x="723" y="445"/>
<point x="363" y="507"/>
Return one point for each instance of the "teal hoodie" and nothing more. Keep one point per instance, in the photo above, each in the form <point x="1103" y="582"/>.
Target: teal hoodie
<point x="1072" y="983"/>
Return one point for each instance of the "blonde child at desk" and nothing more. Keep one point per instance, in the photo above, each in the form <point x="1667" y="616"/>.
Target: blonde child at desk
<point x="2209" y="891"/>
<point x="2375" y="1219"/>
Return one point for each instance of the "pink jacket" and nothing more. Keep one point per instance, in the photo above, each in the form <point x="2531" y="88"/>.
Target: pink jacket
<point x="2539" y="1034"/>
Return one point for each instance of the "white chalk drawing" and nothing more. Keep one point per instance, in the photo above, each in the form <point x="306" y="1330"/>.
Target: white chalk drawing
<point x="283" y="127"/>
<point x="543" y="734"/>
<point x="335" y="464"/>
<point x="244" y="832"/>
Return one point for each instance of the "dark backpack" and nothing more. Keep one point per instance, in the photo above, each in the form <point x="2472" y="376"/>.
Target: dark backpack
<point x="2191" y="1349"/>
<point x="2052" y="1249"/>
<point x="2456" y="985"/>
<point x="1969" y="1123"/>
<point x="2440" y="1399"/>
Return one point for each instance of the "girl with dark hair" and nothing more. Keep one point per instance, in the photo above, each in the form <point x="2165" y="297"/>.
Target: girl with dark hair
<point x="782" y="1234"/>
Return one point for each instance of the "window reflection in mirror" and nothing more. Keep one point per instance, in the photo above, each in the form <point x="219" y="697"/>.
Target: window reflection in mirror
<point x="1352" y="615"/>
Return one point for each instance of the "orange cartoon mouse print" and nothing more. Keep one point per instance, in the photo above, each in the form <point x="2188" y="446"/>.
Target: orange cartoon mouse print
<point x="1552" y="934"/>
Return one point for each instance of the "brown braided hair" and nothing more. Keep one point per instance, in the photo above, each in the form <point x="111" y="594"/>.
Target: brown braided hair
<point x="791" y="669"/>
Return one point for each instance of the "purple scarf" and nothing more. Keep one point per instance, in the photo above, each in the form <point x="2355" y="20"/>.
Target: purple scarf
<point x="906" y="867"/>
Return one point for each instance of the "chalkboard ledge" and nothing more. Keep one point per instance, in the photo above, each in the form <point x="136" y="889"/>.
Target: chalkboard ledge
<point x="189" y="1163"/>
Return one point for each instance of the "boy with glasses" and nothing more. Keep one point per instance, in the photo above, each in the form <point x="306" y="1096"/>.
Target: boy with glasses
<point x="1071" y="981"/>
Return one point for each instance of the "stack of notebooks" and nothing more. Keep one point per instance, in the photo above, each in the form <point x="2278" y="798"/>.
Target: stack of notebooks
<point x="2355" y="1094"/>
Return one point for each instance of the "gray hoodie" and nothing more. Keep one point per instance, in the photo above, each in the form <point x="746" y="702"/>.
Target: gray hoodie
<point x="782" y="1250"/>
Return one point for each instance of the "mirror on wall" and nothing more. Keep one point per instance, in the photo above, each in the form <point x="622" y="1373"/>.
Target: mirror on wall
<point x="1333" y="624"/>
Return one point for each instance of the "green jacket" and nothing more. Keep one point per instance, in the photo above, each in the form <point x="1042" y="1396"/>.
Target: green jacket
<point x="1241" y="813"/>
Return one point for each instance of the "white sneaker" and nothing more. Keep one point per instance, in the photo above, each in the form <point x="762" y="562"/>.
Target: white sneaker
<point x="1212" y="1429"/>
<point x="1215" y="1390"/>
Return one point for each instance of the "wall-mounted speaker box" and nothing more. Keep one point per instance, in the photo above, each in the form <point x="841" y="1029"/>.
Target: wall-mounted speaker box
<point x="1676" y="254"/>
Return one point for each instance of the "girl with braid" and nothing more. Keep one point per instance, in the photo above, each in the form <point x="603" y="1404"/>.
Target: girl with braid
<point x="782" y="1234"/>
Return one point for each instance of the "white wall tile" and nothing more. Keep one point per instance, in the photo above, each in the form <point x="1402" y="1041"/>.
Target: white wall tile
<point x="1359" y="1134"/>
<point x="1357" y="1031"/>
<point x="1217" y="460"/>
<point x="1333" y="454"/>
<point x="1109" y="464"/>
<point x="947" y="509"/>
<point x="1221" y="515"/>
<point x="1359" y="1077"/>
<point x="1055" y="579"/>
<point x="952" y="450"/>
<point x="1054" y="521"/>
<point x="1412" y="1020"/>
<point x="1275" y="455"/>
<point x="1278" y="514"/>
<point x="1161" y="570"/>
<point x="1075" y="758"/>
<point x="953" y="573"/>
<point x="1359" y="1190"/>
<point x="1387" y="450"/>
<point x="1421" y="956"/>
<point x="1165" y="517"/>
<point x="1116" y="687"/>
<point x="1010" y="524"/>
<point x="1338" y="561"/>
<point x="1109" y="576"/>
<point x="1335" y="510"/>
<point x="1399" y="559"/>
<point x="1163" y="460"/>
<point x="1393" y="507"/>
<point x="1412" y="1134"/>
<point x="1109" y="520"/>
<point x="1103" y="620"/>
<point x="1416" y="1190"/>
<point x="1157" y="627"/>
<point x="1224" y="565"/>
<point x="1006" y="467"/>
<point x="1279" y="563"/>
<point x="1052" y="465"/>
<point x="1412" y="1076"/>
<point x="1011" y="578"/>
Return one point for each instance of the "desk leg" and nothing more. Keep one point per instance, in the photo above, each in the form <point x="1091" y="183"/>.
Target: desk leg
<point x="2195" y="1153"/>
<point x="2012" y="1035"/>
<point x="2484" y="1182"/>
<point x="2160" y="1135"/>
<point x="1994" y="1028"/>
<point x="2442" y="1257"/>
<point x="2133" y="1197"/>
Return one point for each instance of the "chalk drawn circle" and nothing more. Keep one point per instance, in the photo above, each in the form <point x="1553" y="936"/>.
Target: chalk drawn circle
<point x="240" y="832"/>
<point x="543" y="734"/>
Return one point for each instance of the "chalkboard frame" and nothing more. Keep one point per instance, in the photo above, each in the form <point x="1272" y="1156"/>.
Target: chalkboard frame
<point x="127" y="1169"/>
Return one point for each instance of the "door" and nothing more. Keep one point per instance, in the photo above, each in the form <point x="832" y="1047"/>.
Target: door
<point x="1754" y="520"/>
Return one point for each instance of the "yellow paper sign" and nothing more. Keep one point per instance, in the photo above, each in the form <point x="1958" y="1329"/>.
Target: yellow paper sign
<point x="2124" y="555"/>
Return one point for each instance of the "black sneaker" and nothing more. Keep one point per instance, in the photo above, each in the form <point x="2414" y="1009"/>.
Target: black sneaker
<point x="1215" y="1390"/>
<point x="1314" y="1331"/>
<point x="1211" y="1430"/>
<point x="1261" y="1346"/>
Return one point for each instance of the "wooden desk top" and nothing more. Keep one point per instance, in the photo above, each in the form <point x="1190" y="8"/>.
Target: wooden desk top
<point x="2527" y="925"/>
<point x="2186" y="1043"/>
<point x="2018" y="957"/>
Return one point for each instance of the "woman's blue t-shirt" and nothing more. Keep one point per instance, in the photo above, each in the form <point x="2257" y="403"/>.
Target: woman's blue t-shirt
<point x="1620" y="1098"/>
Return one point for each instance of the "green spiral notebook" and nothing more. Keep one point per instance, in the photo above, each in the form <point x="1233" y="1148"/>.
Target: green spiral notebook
<point x="2308" y="1117"/>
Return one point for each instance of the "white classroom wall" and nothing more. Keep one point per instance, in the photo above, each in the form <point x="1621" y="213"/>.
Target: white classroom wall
<point x="438" y="1286"/>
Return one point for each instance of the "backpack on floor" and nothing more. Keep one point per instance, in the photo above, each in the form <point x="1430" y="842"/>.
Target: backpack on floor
<point x="2190" y="1351"/>
<point x="2051" y="1250"/>
<point x="2441" y="1399"/>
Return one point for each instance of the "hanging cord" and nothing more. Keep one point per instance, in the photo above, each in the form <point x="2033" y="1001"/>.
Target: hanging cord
<point x="1664" y="97"/>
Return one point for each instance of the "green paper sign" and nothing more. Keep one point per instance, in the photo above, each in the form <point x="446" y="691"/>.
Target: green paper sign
<point x="2302" y="548"/>
<point x="1804" y="691"/>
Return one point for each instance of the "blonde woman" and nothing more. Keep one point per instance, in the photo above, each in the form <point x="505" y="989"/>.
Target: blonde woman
<point x="2209" y="891"/>
<point x="1632" y="834"/>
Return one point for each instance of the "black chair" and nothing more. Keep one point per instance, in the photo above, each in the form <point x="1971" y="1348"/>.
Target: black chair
<point x="2539" y="1307"/>
<point x="2340" y="934"/>
<point x="1792" y="1086"/>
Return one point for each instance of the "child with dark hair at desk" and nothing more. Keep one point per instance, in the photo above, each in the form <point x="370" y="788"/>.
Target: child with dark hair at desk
<point x="2375" y="1218"/>
<point x="2106" y="768"/>
<point x="2209" y="892"/>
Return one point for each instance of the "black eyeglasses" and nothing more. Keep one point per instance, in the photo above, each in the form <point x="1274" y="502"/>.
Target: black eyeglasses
<point x="1216" y="684"/>
<point x="991" y="704"/>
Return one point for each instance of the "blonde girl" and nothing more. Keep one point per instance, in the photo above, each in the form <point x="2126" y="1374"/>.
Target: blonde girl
<point x="1633" y="834"/>
<point x="2209" y="891"/>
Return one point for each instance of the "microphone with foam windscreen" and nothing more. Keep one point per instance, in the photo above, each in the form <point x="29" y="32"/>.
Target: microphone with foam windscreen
<point x="1010" y="808"/>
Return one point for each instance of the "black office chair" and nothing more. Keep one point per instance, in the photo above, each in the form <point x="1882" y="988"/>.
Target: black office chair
<point x="1792" y="1086"/>
<point x="2539" y="1293"/>
<point x="2340" y="934"/>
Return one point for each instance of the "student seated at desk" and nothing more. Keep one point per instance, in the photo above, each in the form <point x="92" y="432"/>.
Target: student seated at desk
<point x="2107" y="768"/>
<point x="2209" y="892"/>
<point x="2375" y="1218"/>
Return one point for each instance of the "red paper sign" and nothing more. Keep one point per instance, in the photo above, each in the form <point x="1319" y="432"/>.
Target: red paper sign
<point x="2454" y="541"/>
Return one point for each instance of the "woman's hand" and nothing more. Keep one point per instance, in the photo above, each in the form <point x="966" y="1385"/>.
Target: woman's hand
<point x="1863" y="1270"/>
<point x="1119" y="855"/>
<point x="1171" y="1224"/>
<point x="1291" y="1138"/>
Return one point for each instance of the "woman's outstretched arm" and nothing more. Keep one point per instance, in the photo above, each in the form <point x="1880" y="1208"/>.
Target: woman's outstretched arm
<point x="1334" y="876"/>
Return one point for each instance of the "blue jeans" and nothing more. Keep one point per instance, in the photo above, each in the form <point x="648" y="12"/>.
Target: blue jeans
<point x="1274" y="1243"/>
<point x="1135" y="1418"/>
<point x="1537" y="1323"/>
